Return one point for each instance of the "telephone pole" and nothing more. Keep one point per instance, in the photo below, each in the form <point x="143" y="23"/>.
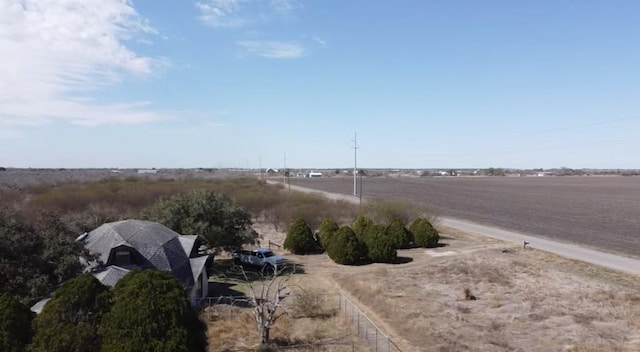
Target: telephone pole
<point x="285" y="174"/>
<point x="355" y="164"/>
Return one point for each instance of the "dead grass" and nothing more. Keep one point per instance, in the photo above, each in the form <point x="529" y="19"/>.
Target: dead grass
<point x="232" y="328"/>
<point x="526" y="300"/>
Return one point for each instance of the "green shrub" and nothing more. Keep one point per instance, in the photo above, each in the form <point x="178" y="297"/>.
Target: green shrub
<point x="328" y="229"/>
<point x="425" y="235"/>
<point x="70" y="320"/>
<point x="345" y="248"/>
<point x="381" y="248"/>
<point x="360" y="226"/>
<point x="397" y="231"/>
<point x="15" y="324"/>
<point x="300" y="239"/>
<point x="151" y="314"/>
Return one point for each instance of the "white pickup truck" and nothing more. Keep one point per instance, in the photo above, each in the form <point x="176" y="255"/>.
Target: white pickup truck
<point x="259" y="258"/>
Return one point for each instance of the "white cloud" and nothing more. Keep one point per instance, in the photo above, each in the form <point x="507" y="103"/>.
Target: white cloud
<point x="272" y="49"/>
<point x="282" y="6"/>
<point x="240" y="13"/>
<point x="55" y="51"/>
<point x="221" y="13"/>
<point x="319" y="41"/>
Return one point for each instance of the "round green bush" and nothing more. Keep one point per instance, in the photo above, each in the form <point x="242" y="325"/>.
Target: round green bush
<point x="15" y="324"/>
<point x="69" y="321"/>
<point x="425" y="235"/>
<point x="345" y="248"/>
<point x="300" y="238"/>
<point x="151" y="313"/>
<point x="360" y="226"/>
<point x="397" y="231"/>
<point x="328" y="229"/>
<point x="381" y="248"/>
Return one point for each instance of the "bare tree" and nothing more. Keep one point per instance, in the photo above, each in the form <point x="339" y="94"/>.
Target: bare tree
<point x="267" y="294"/>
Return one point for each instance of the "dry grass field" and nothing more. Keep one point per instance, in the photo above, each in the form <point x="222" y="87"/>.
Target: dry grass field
<point x="525" y="300"/>
<point x="602" y="212"/>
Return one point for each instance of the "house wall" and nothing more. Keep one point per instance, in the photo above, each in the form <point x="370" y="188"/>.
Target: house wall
<point x="204" y="281"/>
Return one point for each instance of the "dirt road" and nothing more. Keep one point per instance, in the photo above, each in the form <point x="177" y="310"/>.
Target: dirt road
<point x="567" y="250"/>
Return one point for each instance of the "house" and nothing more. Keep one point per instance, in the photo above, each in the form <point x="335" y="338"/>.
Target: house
<point x="126" y="245"/>
<point x="136" y="244"/>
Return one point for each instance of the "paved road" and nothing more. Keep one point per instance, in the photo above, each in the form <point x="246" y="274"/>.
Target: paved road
<point x="567" y="250"/>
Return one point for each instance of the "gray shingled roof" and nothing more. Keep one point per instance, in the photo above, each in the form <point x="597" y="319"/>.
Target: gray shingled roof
<point x="187" y="242"/>
<point x="37" y="308"/>
<point x="159" y="245"/>
<point x="111" y="275"/>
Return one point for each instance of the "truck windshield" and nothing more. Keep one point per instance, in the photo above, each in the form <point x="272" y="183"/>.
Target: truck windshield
<point x="268" y="254"/>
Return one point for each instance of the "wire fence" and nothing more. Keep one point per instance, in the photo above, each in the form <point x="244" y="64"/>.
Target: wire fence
<point x="374" y="338"/>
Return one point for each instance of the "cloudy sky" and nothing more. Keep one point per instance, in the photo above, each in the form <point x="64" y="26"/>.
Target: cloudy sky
<point x="239" y="83"/>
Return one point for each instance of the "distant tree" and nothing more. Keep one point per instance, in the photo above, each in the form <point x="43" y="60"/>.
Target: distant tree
<point x="225" y="225"/>
<point x="36" y="257"/>
<point x="300" y="239"/>
<point x="328" y="229"/>
<point x="69" y="321"/>
<point x="495" y="172"/>
<point x="424" y="233"/>
<point x="345" y="248"/>
<point x="397" y="231"/>
<point x="15" y="324"/>
<point x="151" y="313"/>
<point x="381" y="248"/>
<point x="360" y="226"/>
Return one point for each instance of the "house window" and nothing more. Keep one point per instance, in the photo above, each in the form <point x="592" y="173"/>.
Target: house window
<point x="123" y="258"/>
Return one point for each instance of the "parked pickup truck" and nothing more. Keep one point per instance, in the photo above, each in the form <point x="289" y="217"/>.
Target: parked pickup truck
<point x="259" y="258"/>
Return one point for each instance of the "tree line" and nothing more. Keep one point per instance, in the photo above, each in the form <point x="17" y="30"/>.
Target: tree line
<point x="363" y="242"/>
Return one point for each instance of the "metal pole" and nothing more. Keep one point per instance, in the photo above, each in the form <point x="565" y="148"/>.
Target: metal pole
<point x="360" y="190"/>
<point x="355" y="164"/>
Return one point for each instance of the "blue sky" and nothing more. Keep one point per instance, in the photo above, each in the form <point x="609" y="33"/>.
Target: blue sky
<point x="239" y="83"/>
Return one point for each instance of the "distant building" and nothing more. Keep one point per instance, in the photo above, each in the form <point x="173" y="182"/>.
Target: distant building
<point x="147" y="171"/>
<point x="315" y="174"/>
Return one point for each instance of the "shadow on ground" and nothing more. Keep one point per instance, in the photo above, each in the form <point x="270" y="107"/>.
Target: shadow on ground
<point x="402" y="260"/>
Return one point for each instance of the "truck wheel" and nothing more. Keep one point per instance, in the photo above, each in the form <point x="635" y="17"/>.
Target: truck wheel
<point x="268" y="270"/>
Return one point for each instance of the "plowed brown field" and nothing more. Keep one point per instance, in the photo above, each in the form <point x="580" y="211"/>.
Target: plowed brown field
<point x="601" y="212"/>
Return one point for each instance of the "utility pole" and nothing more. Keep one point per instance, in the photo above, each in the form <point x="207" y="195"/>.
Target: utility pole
<point x="355" y="164"/>
<point x="285" y="175"/>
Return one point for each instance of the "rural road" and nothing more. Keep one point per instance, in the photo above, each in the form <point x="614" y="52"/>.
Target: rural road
<point x="567" y="250"/>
